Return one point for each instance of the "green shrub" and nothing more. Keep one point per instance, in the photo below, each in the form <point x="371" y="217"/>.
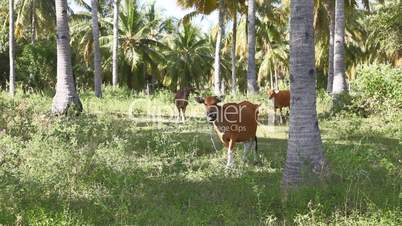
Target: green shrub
<point x="377" y="88"/>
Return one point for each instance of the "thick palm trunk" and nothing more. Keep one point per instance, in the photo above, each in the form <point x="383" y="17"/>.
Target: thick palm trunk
<point x="115" y="42"/>
<point x="339" y="85"/>
<point x="234" y="43"/>
<point x="97" y="53"/>
<point x="66" y="95"/>
<point x="11" y="41"/>
<point x="305" y="151"/>
<point x="217" y="64"/>
<point x="330" y="7"/>
<point x="251" y="69"/>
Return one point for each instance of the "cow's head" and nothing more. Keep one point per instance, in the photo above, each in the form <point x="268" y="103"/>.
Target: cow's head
<point x="272" y="93"/>
<point x="211" y="106"/>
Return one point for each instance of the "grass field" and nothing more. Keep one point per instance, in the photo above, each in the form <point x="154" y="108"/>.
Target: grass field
<point x="126" y="161"/>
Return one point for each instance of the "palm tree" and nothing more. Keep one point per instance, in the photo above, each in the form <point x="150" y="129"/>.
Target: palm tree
<point x="339" y="83"/>
<point x="36" y="16"/>
<point x="138" y="40"/>
<point x="217" y="62"/>
<point x="233" y="49"/>
<point x="97" y="53"/>
<point x="11" y="47"/>
<point x="66" y="94"/>
<point x="330" y="8"/>
<point x="116" y="4"/>
<point x="305" y="149"/>
<point x="251" y="69"/>
<point x="188" y="60"/>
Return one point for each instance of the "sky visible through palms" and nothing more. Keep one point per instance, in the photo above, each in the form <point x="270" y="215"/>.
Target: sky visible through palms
<point x="170" y="8"/>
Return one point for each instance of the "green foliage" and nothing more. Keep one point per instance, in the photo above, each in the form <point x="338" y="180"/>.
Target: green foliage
<point x="106" y="166"/>
<point x="377" y="88"/>
<point x="36" y="65"/>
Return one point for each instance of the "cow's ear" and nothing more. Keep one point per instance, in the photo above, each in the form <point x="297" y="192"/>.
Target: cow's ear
<point x="220" y="98"/>
<point x="199" y="100"/>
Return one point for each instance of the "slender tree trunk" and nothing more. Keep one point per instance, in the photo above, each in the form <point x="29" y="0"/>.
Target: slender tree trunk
<point x="234" y="43"/>
<point x="66" y="94"/>
<point x="339" y="85"/>
<point x="97" y="53"/>
<point x="11" y="42"/>
<point x="251" y="70"/>
<point x="305" y="152"/>
<point x="33" y="22"/>
<point x="330" y="7"/>
<point x="219" y="39"/>
<point x="33" y="34"/>
<point x="115" y="42"/>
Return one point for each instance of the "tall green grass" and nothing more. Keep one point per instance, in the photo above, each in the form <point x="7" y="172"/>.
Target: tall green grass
<point x="116" y="165"/>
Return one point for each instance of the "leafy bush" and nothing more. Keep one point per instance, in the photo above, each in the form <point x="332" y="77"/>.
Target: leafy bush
<point x="36" y="65"/>
<point x="377" y="88"/>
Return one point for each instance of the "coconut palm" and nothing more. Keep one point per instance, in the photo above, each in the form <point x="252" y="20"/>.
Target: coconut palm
<point x="97" y="53"/>
<point x="339" y="84"/>
<point x="116" y="5"/>
<point x="188" y="60"/>
<point x="251" y="69"/>
<point x="11" y="42"/>
<point x="66" y="95"/>
<point x="35" y="16"/>
<point x="139" y="41"/>
<point x="305" y="149"/>
<point x="330" y="8"/>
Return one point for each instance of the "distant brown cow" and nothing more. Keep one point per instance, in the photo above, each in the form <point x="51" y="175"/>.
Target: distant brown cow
<point x="233" y="122"/>
<point x="281" y="100"/>
<point x="181" y="101"/>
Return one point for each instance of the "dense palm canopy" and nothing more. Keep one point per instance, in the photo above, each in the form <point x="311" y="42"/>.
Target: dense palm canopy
<point x="148" y="40"/>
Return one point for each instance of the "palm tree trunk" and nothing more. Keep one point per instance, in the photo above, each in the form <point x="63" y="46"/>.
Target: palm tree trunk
<point x="97" y="53"/>
<point x="330" y="7"/>
<point x="115" y="42"/>
<point x="234" y="40"/>
<point x="33" y="22"/>
<point x="33" y="34"/>
<point x="11" y="41"/>
<point x="305" y="151"/>
<point x="219" y="39"/>
<point x="339" y="85"/>
<point x="251" y="70"/>
<point x="66" y="95"/>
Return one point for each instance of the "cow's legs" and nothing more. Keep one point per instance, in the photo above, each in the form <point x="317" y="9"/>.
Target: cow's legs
<point x="179" y="115"/>
<point x="246" y="147"/>
<point x="274" y="118"/>
<point x="254" y="147"/>
<point x="230" y="154"/>
<point x="183" y="114"/>
<point x="280" y="116"/>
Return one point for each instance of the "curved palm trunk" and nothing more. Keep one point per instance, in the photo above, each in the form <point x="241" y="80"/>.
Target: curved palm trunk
<point x="251" y="69"/>
<point x="217" y="64"/>
<point x="97" y="53"/>
<point x="11" y="41"/>
<point x="305" y="151"/>
<point x="339" y="85"/>
<point x="330" y="7"/>
<point x="66" y="95"/>
<point x="115" y="42"/>
<point x="234" y="42"/>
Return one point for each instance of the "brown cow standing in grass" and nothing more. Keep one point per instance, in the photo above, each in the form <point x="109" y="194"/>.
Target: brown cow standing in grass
<point x="281" y="100"/>
<point x="181" y="101"/>
<point x="234" y="123"/>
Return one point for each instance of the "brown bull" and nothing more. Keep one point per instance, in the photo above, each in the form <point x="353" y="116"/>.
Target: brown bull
<point x="234" y="123"/>
<point x="281" y="100"/>
<point x="181" y="101"/>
